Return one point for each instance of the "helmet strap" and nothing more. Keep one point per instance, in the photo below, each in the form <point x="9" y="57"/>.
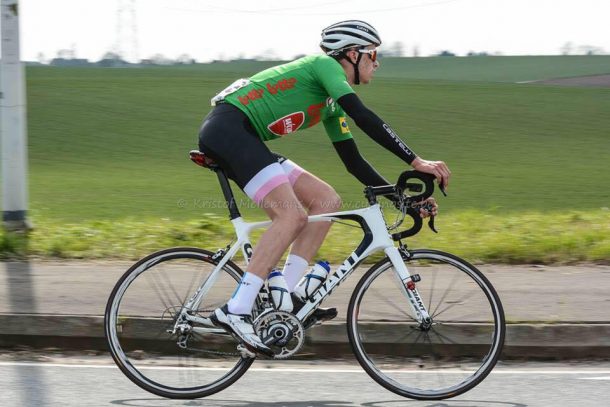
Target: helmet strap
<point x="357" y="70"/>
<point x="355" y="65"/>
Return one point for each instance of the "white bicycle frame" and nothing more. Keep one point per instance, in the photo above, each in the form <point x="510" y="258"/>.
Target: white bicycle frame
<point x="376" y="238"/>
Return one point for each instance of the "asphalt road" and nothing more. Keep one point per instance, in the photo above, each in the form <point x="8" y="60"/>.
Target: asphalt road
<point x="95" y="381"/>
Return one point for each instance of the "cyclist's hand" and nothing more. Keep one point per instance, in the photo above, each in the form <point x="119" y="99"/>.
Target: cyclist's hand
<point x="429" y="207"/>
<point x="437" y="168"/>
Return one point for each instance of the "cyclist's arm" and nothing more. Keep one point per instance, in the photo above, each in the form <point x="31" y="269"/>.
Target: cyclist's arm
<point x="343" y="141"/>
<point x="375" y="128"/>
<point x="357" y="165"/>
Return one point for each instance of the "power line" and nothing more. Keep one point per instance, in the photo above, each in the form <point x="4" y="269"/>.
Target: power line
<point x="264" y="11"/>
<point x="281" y="11"/>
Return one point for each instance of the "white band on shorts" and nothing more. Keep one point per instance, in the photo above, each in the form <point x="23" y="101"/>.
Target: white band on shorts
<point x="292" y="170"/>
<point x="265" y="181"/>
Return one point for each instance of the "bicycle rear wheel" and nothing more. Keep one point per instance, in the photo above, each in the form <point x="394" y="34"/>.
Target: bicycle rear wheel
<point x="427" y="363"/>
<point x="142" y="311"/>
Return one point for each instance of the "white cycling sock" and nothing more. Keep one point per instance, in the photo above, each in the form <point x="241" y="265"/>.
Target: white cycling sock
<point x="243" y="298"/>
<point x="293" y="270"/>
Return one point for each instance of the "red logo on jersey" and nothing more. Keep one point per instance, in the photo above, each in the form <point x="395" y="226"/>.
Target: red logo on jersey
<point x="314" y="112"/>
<point x="282" y="85"/>
<point x="287" y="124"/>
<point x="252" y="95"/>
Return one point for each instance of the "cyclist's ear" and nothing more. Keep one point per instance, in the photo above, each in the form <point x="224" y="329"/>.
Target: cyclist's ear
<point x="352" y="55"/>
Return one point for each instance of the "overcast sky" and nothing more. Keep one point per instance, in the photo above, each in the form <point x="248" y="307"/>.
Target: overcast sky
<point x="226" y="29"/>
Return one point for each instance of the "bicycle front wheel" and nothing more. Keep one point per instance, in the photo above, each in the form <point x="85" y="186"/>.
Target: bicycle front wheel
<point x="141" y="314"/>
<point x="420" y="361"/>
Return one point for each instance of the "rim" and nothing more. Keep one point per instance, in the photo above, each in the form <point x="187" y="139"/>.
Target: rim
<point x="124" y="362"/>
<point x="487" y="361"/>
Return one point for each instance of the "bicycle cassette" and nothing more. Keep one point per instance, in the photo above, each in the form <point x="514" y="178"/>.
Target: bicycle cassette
<point x="281" y="331"/>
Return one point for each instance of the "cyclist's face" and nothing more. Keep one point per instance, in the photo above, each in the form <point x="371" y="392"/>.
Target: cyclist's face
<point x="367" y="66"/>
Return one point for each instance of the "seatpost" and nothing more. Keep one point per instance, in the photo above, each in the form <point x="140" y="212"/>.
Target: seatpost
<point x="228" y="194"/>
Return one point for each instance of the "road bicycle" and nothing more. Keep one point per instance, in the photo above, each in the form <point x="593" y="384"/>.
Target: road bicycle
<point x="422" y="323"/>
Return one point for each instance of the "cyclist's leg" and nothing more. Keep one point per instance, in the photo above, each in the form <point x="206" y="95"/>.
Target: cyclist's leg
<point x="228" y="137"/>
<point x="288" y="220"/>
<point x="318" y="197"/>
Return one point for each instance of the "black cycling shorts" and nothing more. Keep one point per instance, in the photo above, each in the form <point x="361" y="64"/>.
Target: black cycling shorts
<point x="227" y="137"/>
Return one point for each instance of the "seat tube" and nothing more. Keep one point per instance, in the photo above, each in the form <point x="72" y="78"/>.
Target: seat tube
<point x="228" y="194"/>
<point x="402" y="273"/>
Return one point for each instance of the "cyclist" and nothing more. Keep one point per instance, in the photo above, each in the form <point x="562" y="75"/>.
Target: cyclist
<point x="271" y="105"/>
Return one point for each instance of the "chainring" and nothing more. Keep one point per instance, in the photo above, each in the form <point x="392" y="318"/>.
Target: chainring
<point x="281" y="331"/>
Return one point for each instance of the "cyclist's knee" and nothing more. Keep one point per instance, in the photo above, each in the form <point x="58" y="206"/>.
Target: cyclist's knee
<point x="334" y="201"/>
<point x="327" y="201"/>
<point x="296" y="219"/>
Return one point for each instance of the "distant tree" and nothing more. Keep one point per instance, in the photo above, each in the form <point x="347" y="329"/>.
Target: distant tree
<point x="397" y="49"/>
<point x="185" y="59"/>
<point x="477" y="54"/>
<point x="446" y="53"/>
<point x="65" y="54"/>
<point x="160" y="59"/>
<point x="111" y="59"/>
<point x="590" y="50"/>
<point x="41" y="58"/>
<point x="112" y="56"/>
<point x="416" y="51"/>
<point x="298" y="56"/>
<point x="566" y="49"/>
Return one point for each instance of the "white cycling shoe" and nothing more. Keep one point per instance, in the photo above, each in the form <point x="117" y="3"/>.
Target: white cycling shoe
<point x="241" y="327"/>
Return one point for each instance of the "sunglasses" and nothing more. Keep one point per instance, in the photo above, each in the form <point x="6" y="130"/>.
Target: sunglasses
<point x="372" y="53"/>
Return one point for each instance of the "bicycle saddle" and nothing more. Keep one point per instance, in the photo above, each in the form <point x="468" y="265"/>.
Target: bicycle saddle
<point x="202" y="160"/>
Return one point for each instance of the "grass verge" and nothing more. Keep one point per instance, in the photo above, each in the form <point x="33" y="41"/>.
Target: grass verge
<point x="534" y="237"/>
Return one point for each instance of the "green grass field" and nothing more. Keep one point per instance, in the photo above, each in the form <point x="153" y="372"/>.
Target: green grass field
<point x="112" y="144"/>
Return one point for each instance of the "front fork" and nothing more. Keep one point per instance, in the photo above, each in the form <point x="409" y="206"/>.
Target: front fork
<point x="408" y="286"/>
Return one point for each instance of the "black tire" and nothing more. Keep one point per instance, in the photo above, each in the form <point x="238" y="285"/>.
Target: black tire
<point x="460" y="352"/>
<point x="136" y="325"/>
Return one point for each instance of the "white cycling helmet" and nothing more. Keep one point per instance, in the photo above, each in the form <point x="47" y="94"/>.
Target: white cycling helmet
<point x="347" y="34"/>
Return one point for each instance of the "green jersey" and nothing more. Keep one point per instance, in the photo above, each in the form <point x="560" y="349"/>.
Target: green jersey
<point x="293" y="96"/>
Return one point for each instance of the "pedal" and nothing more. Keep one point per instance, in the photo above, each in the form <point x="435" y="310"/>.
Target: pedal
<point x="245" y="352"/>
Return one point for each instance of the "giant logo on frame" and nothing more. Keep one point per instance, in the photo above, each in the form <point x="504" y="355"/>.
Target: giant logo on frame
<point x="287" y="124"/>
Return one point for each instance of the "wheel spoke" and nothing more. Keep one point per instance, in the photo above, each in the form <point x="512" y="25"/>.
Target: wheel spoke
<point x="449" y="286"/>
<point x="449" y="357"/>
<point x="432" y="289"/>
<point x="393" y="305"/>
<point x="460" y="301"/>
<point x="149" y="303"/>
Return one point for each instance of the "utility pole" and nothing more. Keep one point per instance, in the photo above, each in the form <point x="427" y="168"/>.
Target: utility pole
<point x="126" y="45"/>
<point x="13" y="122"/>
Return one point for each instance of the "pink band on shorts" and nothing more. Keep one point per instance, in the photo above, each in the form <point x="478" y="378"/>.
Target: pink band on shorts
<point x="269" y="186"/>
<point x="293" y="170"/>
<point x="294" y="174"/>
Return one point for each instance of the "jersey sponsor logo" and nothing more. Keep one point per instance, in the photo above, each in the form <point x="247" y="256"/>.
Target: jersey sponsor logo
<point x="250" y="96"/>
<point x="343" y="124"/>
<point x="287" y="124"/>
<point x="254" y="94"/>
<point x="282" y="85"/>
<point x="398" y="140"/>
<point x="315" y="113"/>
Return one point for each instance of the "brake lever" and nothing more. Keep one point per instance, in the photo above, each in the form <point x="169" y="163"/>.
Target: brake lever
<point x="442" y="188"/>
<point x="428" y="208"/>
<point x="431" y="224"/>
